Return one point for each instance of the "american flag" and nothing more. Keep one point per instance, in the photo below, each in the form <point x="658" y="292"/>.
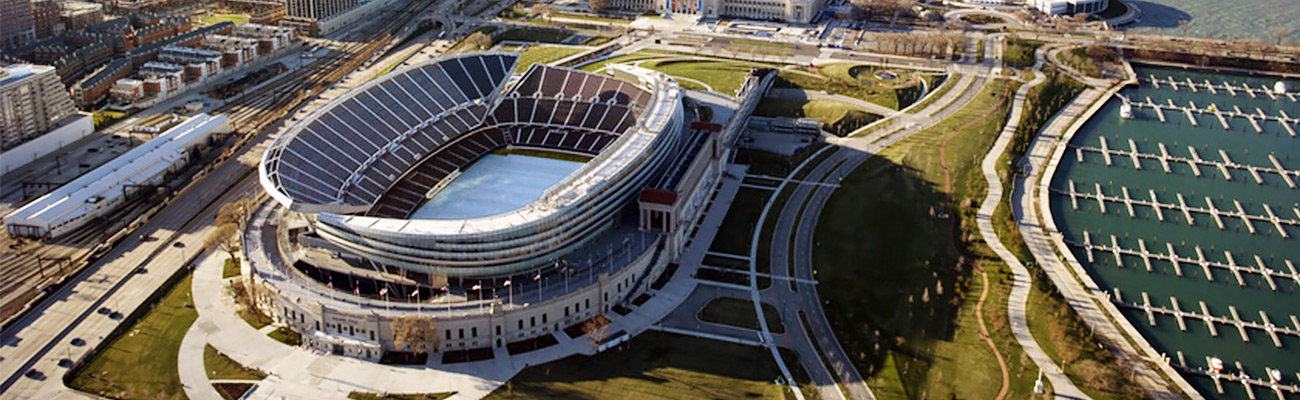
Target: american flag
<point x="507" y="283"/>
<point x="538" y="276"/>
<point x="383" y="291"/>
<point x="476" y="287"/>
<point x="415" y="293"/>
<point x="356" y="289"/>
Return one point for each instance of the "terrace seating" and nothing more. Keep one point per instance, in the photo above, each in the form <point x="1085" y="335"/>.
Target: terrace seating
<point x="352" y="152"/>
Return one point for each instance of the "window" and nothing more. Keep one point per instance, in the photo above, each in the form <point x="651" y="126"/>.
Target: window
<point x="566" y="311"/>
<point x="498" y="329"/>
<point x="460" y="333"/>
<point x="473" y="331"/>
<point x="543" y="318"/>
<point x="521" y="324"/>
<point x="532" y="321"/>
<point x="449" y="334"/>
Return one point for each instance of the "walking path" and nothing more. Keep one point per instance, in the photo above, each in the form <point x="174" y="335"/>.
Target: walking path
<point x="1029" y="199"/>
<point x="1016" y="303"/>
<point x="189" y="364"/>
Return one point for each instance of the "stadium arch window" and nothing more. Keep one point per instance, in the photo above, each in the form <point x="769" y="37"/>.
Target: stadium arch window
<point x="449" y="336"/>
<point x="543" y="318"/>
<point x="473" y="331"/>
<point x="498" y="332"/>
<point x="588" y="304"/>
<point x="460" y="333"/>
<point x="566" y="311"/>
<point x="532" y="321"/>
<point x="521" y="324"/>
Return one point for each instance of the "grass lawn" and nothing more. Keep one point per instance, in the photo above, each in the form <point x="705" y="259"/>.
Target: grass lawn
<point x="1019" y="52"/>
<point x="910" y="320"/>
<point x="544" y="55"/>
<point x="233" y="18"/>
<point x="740" y="313"/>
<point x="231" y="269"/>
<point x="540" y="35"/>
<point x="141" y="363"/>
<point x="105" y="118"/>
<point x="654" y="365"/>
<point x="421" y="396"/>
<point x="724" y="76"/>
<point x="882" y="96"/>
<point x="221" y="367"/>
<point x="589" y="17"/>
<point x="596" y="66"/>
<point x="286" y="336"/>
<point x="839" y="118"/>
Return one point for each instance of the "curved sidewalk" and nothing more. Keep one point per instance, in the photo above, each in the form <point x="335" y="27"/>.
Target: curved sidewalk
<point x="1061" y="385"/>
<point x="1027" y="198"/>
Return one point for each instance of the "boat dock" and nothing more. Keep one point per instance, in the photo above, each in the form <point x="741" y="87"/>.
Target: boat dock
<point x="1255" y="119"/>
<point x="1164" y="158"/>
<point x="1212" y="88"/>
<point x="1176" y="260"/>
<point x="1248" y="383"/>
<point x="1158" y="207"/>
<point x="1243" y="326"/>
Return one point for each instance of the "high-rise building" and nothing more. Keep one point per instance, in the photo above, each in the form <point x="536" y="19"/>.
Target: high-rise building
<point x="16" y="25"/>
<point x="32" y="102"/>
<point x="317" y="9"/>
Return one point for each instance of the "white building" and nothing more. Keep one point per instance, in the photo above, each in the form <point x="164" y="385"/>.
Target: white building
<point x="794" y="11"/>
<point x="102" y="190"/>
<point x="1068" y="7"/>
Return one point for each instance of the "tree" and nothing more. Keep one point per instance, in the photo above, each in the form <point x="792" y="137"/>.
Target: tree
<point x="598" y="5"/>
<point x="1280" y="33"/>
<point x="235" y="212"/>
<point x="542" y="10"/>
<point x="416" y="333"/>
<point x="224" y="239"/>
<point x="1184" y="25"/>
<point x="596" y="330"/>
<point x="478" y="40"/>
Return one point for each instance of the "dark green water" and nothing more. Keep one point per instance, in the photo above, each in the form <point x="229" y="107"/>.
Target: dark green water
<point x="1245" y="146"/>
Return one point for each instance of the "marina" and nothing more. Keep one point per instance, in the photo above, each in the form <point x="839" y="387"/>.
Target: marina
<point x="1178" y="202"/>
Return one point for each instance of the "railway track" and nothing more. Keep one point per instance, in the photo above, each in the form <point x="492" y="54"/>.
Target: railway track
<point x="27" y="265"/>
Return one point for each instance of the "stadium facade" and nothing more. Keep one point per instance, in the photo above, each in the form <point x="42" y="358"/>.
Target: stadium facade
<point x="341" y="255"/>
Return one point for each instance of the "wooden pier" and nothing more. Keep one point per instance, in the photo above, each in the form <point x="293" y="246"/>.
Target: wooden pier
<point x="1176" y="260"/>
<point x="1210" y="209"/>
<point x="1243" y="326"/>
<point x="1224" y="167"/>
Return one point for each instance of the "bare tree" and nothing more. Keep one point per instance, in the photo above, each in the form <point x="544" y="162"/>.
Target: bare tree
<point x="1280" y="33"/>
<point x="596" y="331"/>
<point x="545" y="11"/>
<point x="1185" y="25"/>
<point x="598" y="5"/>
<point x="235" y="212"/>
<point x="478" y="40"/>
<point x="415" y="333"/>
<point x="224" y="239"/>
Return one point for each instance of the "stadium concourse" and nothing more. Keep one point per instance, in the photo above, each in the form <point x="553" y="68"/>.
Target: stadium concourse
<point x="366" y="223"/>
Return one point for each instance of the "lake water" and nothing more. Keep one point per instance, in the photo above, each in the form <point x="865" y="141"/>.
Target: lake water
<point x="1243" y="145"/>
<point x="1220" y="18"/>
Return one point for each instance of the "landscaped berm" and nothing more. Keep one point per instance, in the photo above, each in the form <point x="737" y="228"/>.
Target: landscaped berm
<point x="141" y="363"/>
<point x="656" y="366"/>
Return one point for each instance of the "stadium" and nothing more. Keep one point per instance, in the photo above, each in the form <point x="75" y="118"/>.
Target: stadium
<point x="507" y="207"/>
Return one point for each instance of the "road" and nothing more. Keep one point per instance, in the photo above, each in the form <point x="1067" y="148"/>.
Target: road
<point x="799" y="222"/>
<point x="41" y="339"/>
